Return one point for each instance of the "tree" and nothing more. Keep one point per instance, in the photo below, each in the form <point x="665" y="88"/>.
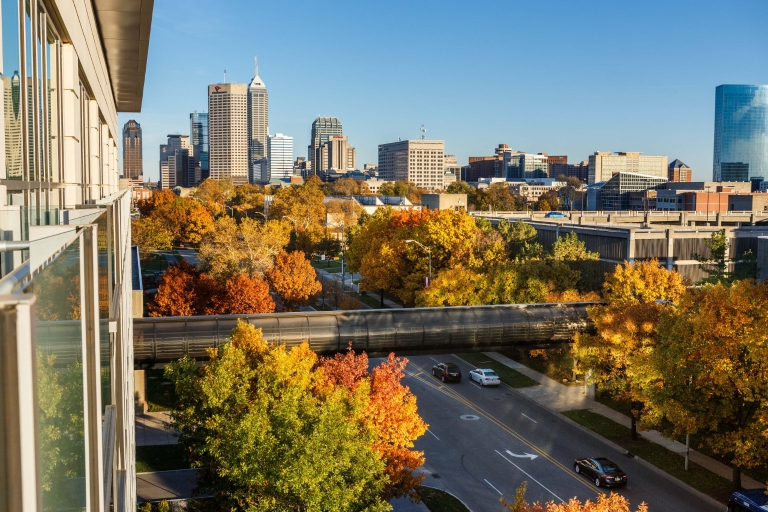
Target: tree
<point x="498" y="197"/>
<point x="246" y="295"/>
<point x="604" y="503"/>
<point x="720" y="267"/>
<point x="342" y="212"/>
<point x="177" y="292"/>
<point x="568" y="193"/>
<point x="574" y="253"/>
<point x="457" y="286"/>
<point x="270" y="432"/>
<point x="328" y="247"/>
<point x="521" y="239"/>
<point x="303" y="203"/>
<point x="402" y="188"/>
<point x="348" y="187"/>
<point x="293" y="278"/>
<point x="150" y="235"/>
<point x="708" y="371"/>
<point x="542" y="205"/>
<point x="391" y="414"/>
<point x="198" y="224"/>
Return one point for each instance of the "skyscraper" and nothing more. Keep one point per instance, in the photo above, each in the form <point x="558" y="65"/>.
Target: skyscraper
<point x="418" y="161"/>
<point x="335" y="154"/>
<point x="741" y="133"/>
<point x="198" y="138"/>
<point x="258" y="121"/>
<point x="279" y="156"/>
<point x="12" y="126"/>
<point x="176" y="163"/>
<point x="228" y="132"/>
<point x="133" y="168"/>
<point x="322" y="129"/>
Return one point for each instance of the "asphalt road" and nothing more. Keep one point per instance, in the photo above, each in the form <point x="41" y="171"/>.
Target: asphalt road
<point x="483" y="443"/>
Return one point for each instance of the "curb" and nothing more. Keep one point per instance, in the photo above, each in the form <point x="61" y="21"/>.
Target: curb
<point x="449" y="493"/>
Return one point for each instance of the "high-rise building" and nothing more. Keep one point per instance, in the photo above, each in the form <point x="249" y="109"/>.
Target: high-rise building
<point x="132" y="163"/>
<point x="322" y="129"/>
<point x="678" y="171"/>
<point x="419" y="161"/>
<point x="524" y="166"/>
<point x="228" y="132"/>
<point x="741" y="125"/>
<point x="198" y="139"/>
<point x="177" y="164"/>
<point x="67" y="271"/>
<point x="553" y="160"/>
<point x="603" y="165"/>
<point x="279" y="156"/>
<point x="335" y="154"/>
<point x="580" y="170"/>
<point x="258" y="122"/>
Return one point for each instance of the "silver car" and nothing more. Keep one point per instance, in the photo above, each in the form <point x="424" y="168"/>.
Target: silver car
<point x="484" y="377"/>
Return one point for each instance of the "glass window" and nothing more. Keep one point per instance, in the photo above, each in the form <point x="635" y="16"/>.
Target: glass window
<point x="11" y="162"/>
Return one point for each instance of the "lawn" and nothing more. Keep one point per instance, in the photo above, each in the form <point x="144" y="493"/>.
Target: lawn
<point x="160" y="393"/>
<point x="440" y="501"/>
<point x="508" y="376"/>
<point x="556" y="363"/>
<point x="165" y="457"/>
<point x="369" y="300"/>
<point x="669" y="462"/>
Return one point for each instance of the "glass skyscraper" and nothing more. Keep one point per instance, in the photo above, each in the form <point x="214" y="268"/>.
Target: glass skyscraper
<point x="741" y="133"/>
<point x="198" y="138"/>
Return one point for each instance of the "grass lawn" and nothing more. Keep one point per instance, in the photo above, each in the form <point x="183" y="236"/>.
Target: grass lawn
<point x="370" y="301"/>
<point x="163" y="457"/>
<point x="160" y="393"/>
<point x="156" y="262"/>
<point x="606" y="398"/>
<point x="440" y="501"/>
<point x="669" y="462"/>
<point x="759" y="473"/>
<point x="508" y="376"/>
<point x="556" y="364"/>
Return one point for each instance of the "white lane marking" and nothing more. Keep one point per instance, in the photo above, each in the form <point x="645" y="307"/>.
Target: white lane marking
<point x="529" y="476"/>
<point x="433" y="434"/>
<point x="435" y="360"/>
<point x="492" y="487"/>
<point x="533" y="420"/>
<point x="525" y="455"/>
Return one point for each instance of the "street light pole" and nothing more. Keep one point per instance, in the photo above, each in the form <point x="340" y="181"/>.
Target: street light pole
<point x="429" y="255"/>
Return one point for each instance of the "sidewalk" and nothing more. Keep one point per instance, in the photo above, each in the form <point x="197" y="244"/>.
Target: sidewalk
<point x="559" y="397"/>
<point x="348" y="279"/>
<point x="150" y="429"/>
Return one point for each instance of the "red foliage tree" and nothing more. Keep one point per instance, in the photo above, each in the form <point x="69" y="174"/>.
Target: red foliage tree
<point x="245" y="295"/>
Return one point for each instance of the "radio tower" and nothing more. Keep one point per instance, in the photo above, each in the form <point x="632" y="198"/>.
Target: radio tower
<point x="423" y="132"/>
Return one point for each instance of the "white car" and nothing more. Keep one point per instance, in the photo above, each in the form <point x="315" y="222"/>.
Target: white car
<point x="484" y="377"/>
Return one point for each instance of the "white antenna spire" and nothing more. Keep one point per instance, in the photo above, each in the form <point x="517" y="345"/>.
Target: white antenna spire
<point x="423" y="132"/>
<point x="255" y="66"/>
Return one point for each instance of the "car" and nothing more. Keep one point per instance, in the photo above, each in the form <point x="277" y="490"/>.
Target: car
<point x="603" y="471"/>
<point x="555" y="215"/>
<point x="447" y="372"/>
<point x="484" y="377"/>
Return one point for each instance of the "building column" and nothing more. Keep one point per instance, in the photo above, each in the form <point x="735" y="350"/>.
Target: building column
<point x="631" y="246"/>
<point x="71" y="165"/>
<point x="670" y="248"/>
<point x="94" y="151"/>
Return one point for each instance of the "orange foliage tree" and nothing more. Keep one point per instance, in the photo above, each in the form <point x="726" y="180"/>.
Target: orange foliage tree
<point x="244" y="295"/>
<point x="391" y="414"/>
<point x="177" y="292"/>
<point x="605" y="503"/>
<point x="294" y="279"/>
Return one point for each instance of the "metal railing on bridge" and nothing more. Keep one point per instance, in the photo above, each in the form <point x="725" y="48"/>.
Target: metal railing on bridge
<point x="471" y="328"/>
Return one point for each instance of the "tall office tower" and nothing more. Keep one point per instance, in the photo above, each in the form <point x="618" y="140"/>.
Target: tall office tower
<point x="678" y="171"/>
<point x="524" y="166"/>
<point x="279" y="156"/>
<point x="603" y="165"/>
<point x="198" y="138"/>
<point x="418" y="161"/>
<point x="176" y="162"/>
<point x="322" y="129"/>
<point x="258" y="121"/>
<point x="12" y="126"/>
<point x="335" y="154"/>
<point x="228" y="132"/>
<point x="741" y="125"/>
<point x="132" y="164"/>
<point x="488" y="166"/>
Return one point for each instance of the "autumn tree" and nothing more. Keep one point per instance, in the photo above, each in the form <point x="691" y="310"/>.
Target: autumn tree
<point x="521" y="239"/>
<point x="177" y="292"/>
<point x="573" y="252"/>
<point x="245" y="295"/>
<point x="391" y="414"/>
<point x="707" y="374"/>
<point x="293" y="278"/>
<point x="402" y="188"/>
<point x="150" y="234"/>
<point x="269" y="432"/>
<point x="720" y="267"/>
<point x="498" y="197"/>
<point x="604" y="503"/>
<point x="457" y="286"/>
<point x="347" y="187"/>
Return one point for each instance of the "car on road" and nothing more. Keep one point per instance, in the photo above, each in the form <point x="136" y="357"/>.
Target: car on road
<point x="447" y="372"/>
<point x="555" y="215"/>
<point x="484" y="377"/>
<point x="603" y="471"/>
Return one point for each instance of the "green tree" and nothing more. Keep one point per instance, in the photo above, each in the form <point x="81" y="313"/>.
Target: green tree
<point x="521" y="239"/>
<point x="574" y="253"/>
<point x="457" y="286"/>
<point x="150" y="234"/>
<point x="271" y="433"/>
<point x="720" y="267"/>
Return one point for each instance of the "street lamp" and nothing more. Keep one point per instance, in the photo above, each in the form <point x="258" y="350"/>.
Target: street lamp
<point x="259" y="213"/>
<point x="231" y="211"/>
<point x="429" y="254"/>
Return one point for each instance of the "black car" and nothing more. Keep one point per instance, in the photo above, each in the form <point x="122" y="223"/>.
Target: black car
<point x="604" y="472"/>
<point x="447" y="372"/>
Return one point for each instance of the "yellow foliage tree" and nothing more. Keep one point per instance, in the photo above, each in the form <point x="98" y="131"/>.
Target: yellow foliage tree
<point x="294" y="279"/>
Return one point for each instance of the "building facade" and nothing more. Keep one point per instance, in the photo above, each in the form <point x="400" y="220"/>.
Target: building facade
<point x="322" y="129"/>
<point x="679" y="172"/>
<point x="177" y="163"/>
<point x="335" y="154"/>
<point x="580" y="170"/>
<point x="525" y="166"/>
<point x="228" y="132"/>
<point x="603" y="165"/>
<point x="66" y="350"/>
<point x="258" y="122"/>
<point x="487" y="166"/>
<point x="614" y="194"/>
<point x="133" y="167"/>
<point x="279" y="157"/>
<point x="741" y="128"/>
<point x="198" y="138"/>
<point x="418" y="161"/>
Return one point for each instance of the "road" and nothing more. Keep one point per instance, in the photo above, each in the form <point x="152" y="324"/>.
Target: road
<point x="483" y="443"/>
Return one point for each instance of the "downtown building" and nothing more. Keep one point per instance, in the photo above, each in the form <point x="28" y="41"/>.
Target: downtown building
<point x="679" y="172"/>
<point x="419" y="161"/>
<point x="66" y="358"/>
<point x="323" y="128"/>
<point x="336" y="154"/>
<point x="177" y="163"/>
<point x="228" y="143"/>
<point x="133" y="168"/>
<point x="279" y="156"/>
<point x="603" y="165"/>
<point x="198" y="139"/>
<point x="258" y="122"/>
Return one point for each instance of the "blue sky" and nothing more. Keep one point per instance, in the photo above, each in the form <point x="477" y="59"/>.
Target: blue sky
<point x="561" y="77"/>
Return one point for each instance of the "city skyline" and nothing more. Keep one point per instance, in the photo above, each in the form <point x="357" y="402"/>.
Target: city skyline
<point x="623" y="86"/>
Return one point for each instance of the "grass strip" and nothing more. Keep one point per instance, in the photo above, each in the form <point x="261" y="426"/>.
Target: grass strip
<point x="670" y="462"/>
<point x="164" y="457"/>
<point x="161" y="394"/>
<point x="508" y="376"/>
<point x="368" y="300"/>
<point x="440" y="501"/>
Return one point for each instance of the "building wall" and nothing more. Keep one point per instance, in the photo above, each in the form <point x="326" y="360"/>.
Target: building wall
<point x="741" y="124"/>
<point x="280" y="156"/>
<point x="444" y="201"/>
<point x="603" y="165"/>
<point x="228" y="132"/>
<point x="418" y="161"/>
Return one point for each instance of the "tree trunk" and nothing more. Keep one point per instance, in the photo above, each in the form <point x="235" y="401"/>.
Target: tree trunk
<point x="736" y="478"/>
<point x="634" y="426"/>
<point x="382" y="297"/>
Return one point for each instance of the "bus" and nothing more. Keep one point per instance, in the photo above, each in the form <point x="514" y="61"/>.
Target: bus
<point x="748" y="500"/>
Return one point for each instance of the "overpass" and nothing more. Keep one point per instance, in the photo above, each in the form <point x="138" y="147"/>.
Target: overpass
<point x="377" y="331"/>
